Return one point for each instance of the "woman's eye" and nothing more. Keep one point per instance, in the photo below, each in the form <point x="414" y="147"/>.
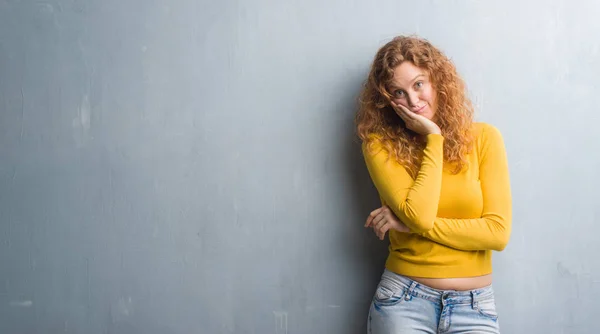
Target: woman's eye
<point x="419" y="84"/>
<point x="398" y="93"/>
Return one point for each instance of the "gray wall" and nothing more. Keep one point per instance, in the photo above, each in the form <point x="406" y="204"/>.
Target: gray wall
<point x="190" y="166"/>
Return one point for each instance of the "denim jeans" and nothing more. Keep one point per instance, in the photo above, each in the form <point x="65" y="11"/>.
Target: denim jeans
<point x="401" y="305"/>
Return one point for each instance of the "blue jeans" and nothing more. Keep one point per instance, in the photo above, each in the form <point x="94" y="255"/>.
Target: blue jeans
<point x="401" y="305"/>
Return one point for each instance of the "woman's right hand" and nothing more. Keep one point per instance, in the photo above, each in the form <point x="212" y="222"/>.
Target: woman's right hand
<point x="415" y="122"/>
<point x="383" y="220"/>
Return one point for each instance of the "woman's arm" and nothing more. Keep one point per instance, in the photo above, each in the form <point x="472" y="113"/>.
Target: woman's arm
<point x="492" y="230"/>
<point x="415" y="202"/>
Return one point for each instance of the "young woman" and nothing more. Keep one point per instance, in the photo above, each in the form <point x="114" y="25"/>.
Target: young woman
<point x="444" y="185"/>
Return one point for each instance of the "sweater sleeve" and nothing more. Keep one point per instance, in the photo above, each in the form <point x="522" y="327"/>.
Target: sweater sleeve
<point x="492" y="230"/>
<point x="414" y="201"/>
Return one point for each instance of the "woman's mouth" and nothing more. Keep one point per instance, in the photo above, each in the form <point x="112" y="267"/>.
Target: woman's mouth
<point x="419" y="110"/>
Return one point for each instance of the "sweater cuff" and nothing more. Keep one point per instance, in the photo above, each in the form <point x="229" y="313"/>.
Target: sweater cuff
<point x="434" y="138"/>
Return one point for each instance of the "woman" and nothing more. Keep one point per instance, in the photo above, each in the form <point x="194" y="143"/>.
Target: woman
<point x="444" y="184"/>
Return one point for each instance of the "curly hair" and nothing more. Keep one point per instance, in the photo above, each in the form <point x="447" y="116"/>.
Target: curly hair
<point x="454" y="112"/>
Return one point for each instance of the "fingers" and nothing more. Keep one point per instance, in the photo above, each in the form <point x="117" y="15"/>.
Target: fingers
<point x="382" y="220"/>
<point x="412" y="120"/>
<point x="416" y="122"/>
<point x="382" y="230"/>
<point x="371" y="219"/>
<point x="377" y="219"/>
<point x="404" y="113"/>
<point x="372" y="215"/>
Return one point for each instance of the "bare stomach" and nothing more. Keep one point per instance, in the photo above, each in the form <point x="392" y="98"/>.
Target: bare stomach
<point x="458" y="284"/>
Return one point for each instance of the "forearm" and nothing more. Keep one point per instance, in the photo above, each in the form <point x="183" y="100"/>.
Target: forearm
<point x="487" y="233"/>
<point x="413" y="201"/>
<point x="492" y="230"/>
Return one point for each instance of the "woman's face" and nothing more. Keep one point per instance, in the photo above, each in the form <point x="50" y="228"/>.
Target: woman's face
<point x="411" y="88"/>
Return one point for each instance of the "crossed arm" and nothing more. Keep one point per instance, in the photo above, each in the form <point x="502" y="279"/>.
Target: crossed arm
<point x="415" y="201"/>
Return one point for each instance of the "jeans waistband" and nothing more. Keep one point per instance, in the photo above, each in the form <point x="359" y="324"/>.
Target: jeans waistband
<point x="414" y="288"/>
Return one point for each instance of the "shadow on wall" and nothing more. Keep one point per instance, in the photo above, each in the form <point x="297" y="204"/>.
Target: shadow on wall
<point x="362" y="247"/>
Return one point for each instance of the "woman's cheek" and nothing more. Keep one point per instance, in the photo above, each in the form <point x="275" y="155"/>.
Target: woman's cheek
<point x="398" y="101"/>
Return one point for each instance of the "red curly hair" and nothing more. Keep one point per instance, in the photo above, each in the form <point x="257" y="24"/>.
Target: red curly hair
<point x="454" y="112"/>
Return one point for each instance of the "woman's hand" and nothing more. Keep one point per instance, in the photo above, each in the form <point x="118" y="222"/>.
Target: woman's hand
<point x="382" y="220"/>
<point x="415" y="122"/>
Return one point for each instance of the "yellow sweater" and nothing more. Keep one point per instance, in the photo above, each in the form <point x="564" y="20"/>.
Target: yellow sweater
<point x="455" y="220"/>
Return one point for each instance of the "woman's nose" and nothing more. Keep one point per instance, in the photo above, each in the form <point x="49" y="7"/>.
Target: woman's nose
<point x="413" y="99"/>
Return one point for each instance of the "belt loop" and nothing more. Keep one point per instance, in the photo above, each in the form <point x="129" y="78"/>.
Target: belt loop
<point x="409" y="292"/>
<point x="474" y="304"/>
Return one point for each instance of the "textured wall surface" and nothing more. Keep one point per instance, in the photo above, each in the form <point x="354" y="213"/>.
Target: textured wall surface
<point x="190" y="166"/>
